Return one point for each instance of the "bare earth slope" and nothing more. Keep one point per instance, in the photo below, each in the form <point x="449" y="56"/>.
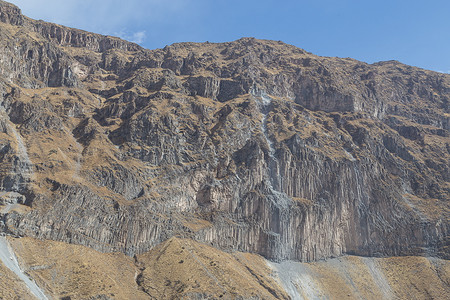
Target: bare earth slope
<point x="252" y="145"/>
<point x="185" y="269"/>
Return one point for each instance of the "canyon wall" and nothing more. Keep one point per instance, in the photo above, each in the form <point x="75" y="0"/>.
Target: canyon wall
<point x="250" y="145"/>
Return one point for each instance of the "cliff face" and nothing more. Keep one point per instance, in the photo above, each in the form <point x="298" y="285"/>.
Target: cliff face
<point x="251" y="145"/>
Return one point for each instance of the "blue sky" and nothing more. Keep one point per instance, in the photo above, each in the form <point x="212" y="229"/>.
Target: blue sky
<point x="414" y="32"/>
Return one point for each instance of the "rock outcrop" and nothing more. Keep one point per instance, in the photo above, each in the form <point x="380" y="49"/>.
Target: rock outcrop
<point x="250" y="145"/>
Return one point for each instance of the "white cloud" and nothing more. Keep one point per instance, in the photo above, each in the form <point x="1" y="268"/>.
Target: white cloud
<point x="107" y="16"/>
<point x="137" y="37"/>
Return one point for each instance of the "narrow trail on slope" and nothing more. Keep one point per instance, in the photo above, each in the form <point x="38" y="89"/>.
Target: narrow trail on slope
<point x="9" y="259"/>
<point x="7" y="255"/>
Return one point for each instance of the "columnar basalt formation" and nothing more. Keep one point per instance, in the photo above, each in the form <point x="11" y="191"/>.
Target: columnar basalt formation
<point x="250" y="145"/>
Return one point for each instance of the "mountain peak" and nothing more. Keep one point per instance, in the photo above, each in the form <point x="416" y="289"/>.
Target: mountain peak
<point x="10" y="14"/>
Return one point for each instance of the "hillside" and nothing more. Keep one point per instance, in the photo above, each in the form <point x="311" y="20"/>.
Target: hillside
<point x="251" y="146"/>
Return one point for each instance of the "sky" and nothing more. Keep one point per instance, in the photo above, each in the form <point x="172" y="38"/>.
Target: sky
<point x="414" y="32"/>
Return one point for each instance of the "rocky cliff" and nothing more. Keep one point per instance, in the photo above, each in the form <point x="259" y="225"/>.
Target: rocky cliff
<point x="250" y="145"/>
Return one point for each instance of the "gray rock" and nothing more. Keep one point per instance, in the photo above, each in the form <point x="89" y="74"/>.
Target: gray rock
<point x="250" y="145"/>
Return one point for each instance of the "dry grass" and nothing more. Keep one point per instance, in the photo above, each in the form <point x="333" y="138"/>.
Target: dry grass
<point x="11" y="287"/>
<point x="184" y="268"/>
<point x="431" y="208"/>
<point x="195" y="224"/>
<point x="303" y="201"/>
<point x="77" y="271"/>
<point x="347" y="279"/>
<point x="180" y="267"/>
<point x="417" y="277"/>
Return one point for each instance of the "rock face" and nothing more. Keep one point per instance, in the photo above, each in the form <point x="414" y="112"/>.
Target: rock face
<point x="251" y="145"/>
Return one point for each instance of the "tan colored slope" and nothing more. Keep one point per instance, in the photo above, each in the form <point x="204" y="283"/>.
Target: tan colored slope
<point x="353" y="277"/>
<point x="176" y="268"/>
<point x="418" y="277"/>
<point x="11" y="287"/>
<point x="78" y="272"/>
<point x="182" y="268"/>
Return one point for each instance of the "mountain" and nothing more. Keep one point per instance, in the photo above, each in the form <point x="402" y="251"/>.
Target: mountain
<point x="236" y="149"/>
